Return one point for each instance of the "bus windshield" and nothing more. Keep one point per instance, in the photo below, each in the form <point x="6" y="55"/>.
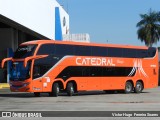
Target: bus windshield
<point x="24" y="51"/>
<point x="18" y="72"/>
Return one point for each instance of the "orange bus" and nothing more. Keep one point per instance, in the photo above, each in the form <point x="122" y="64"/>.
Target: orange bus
<point x="54" y="66"/>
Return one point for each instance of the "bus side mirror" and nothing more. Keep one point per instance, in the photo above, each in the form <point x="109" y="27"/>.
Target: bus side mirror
<point x="33" y="58"/>
<point x="5" y="60"/>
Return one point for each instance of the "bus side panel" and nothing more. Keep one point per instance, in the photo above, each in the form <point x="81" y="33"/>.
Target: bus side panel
<point x="151" y="80"/>
<point x="99" y="83"/>
<point x="111" y="83"/>
<point x="87" y="83"/>
<point x="151" y="69"/>
<point x="81" y="83"/>
<point x="93" y="83"/>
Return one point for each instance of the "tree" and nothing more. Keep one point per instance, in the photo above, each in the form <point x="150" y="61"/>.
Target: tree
<point x="149" y="28"/>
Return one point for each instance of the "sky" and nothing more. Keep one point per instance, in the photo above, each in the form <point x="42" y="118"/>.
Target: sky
<point x="108" y="21"/>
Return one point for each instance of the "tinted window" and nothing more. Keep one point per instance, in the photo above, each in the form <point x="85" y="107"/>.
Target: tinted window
<point x="64" y="49"/>
<point x="142" y="53"/>
<point x="86" y="71"/>
<point x="19" y="72"/>
<point x="83" y="50"/>
<point x="99" y="51"/>
<point x="41" y="66"/>
<point x="151" y="52"/>
<point x="24" y="51"/>
<point x="130" y="53"/>
<point x="117" y="71"/>
<point x="83" y="71"/>
<point x="70" y="72"/>
<point x="96" y="71"/>
<point x="46" y="49"/>
<point x="115" y="52"/>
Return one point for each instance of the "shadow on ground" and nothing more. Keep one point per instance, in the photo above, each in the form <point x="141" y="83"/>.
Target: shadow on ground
<point x="88" y="93"/>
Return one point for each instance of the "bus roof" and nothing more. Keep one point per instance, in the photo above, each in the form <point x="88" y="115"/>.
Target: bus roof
<point x="81" y="43"/>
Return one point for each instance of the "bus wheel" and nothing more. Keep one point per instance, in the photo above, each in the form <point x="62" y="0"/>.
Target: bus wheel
<point x="128" y="87"/>
<point x="138" y="87"/>
<point x="36" y="94"/>
<point x="55" y="89"/>
<point x="70" y="89"/>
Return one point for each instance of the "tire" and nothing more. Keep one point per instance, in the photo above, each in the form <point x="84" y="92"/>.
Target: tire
<point x="70" y="89"/>
<point x="55" y="90"/>
<point x="36" y="94"/>
<point x="139" y="87"/>
<point x="128" y="87"/>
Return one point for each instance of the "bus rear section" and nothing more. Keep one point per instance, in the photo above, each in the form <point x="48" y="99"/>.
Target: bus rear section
<point x="53" y="67"/>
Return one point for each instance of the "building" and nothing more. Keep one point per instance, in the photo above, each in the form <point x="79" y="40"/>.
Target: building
<point x="25" y="20"/>
<point x="84" y="37"/>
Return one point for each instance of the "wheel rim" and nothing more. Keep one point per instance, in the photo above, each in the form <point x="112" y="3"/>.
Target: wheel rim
<point x="128" y="88"/>
<point x="72" y="89"/>
<point x="57" y="90"/>
<point x="139" y="87"/>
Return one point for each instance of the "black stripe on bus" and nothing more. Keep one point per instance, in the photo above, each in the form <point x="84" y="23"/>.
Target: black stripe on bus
<point x="92" y="71"/>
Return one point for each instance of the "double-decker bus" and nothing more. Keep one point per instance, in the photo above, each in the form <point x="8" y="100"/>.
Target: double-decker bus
<point x="54" y="66"/>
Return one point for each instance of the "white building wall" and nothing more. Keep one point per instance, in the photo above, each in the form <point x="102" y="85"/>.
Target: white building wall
<point x="37" y="15"/>
<point x="84" y="37"/>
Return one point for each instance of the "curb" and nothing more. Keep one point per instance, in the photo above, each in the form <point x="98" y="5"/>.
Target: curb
<point x="4" y="85"/>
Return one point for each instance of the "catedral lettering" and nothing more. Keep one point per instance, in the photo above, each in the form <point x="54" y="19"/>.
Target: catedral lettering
<point x="94" y="61"/>
<point x="54" y="66"/>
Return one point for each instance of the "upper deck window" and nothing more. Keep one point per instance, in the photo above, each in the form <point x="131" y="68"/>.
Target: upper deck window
<point x="24" y="51"/>
<point x="81" y="50"/>
<point x="46" y="49"/>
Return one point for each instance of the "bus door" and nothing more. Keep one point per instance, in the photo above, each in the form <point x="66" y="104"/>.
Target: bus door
<point x="37" y="85"/>
<point x="37" y="81"/>
<point x="46" y="84"/>
<point x="41" y="83"/>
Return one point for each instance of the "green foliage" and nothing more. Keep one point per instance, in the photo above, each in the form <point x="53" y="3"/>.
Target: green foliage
<point x="149" y="28"/>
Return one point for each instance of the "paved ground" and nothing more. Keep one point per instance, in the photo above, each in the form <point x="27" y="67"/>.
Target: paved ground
<point x="149" y="100"/>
